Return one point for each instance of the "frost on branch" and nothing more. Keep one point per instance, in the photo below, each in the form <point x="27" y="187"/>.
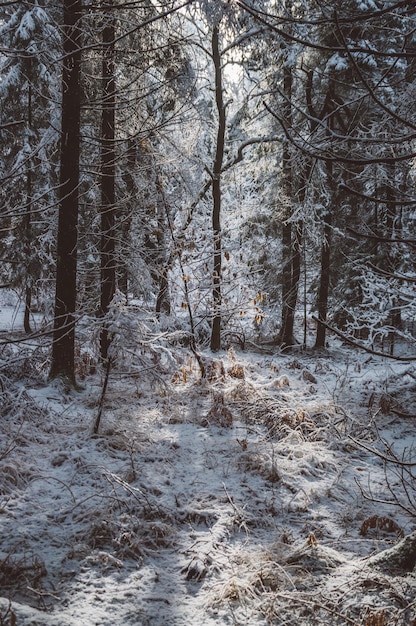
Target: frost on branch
<point x="134" y="342"/>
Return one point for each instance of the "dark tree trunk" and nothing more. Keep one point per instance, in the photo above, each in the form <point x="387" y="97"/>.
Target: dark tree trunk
<point x="323" y="291"/>
<point x="286" y="332"/>
<point x="216" y="195"/>
<point x="63" y="346"/>
<point x="124" y="215"/>
<point x="163" y="218"/>
<point x="28" y="306"/>
<point x="27" y="228"/>
<point x="324" y="281"/>
<point x="288" y="321"/>
<point x="292" y="233"/>
<point x="328" y="113"/>
<point x="393" y="223"/>
<point x="108" y="158"/>
<point x="163" y="299"/>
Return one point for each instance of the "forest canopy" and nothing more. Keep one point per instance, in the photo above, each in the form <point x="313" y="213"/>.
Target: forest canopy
<point x="236" y="171"/>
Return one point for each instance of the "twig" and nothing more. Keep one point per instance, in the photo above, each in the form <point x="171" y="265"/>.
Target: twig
<point x="385" y="458"/>
<point x="42" y="593"/>
<point x="230" y="500"/>
<point x="101" y="403"/>
<point x="314" y="603"/>
<point x="356" y="344"/>
<point x="61" y="482"/>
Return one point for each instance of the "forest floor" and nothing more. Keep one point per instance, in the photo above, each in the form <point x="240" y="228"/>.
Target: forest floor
<point x="255" y="497"/>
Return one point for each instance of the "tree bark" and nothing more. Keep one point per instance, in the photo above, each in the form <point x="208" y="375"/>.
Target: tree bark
<point x="288" y="338"/>
<point x="393" y="224"/>
<point x="63" y="346"/>
<point x="328" y="111"/>
<point x="286" y="332"/>
<point x="163" y="296"/>
<point x="323" y="291"/>
<point x="216" y="195"/>
<point x="27" y="228"/>
<point x="294" y="190"/>
<point x="108" y="159"/>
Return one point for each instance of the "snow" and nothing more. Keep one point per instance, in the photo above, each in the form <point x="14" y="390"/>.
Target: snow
<point x="337" y="62"/>
<point x="237" y="500"/>
<point x="26" y="27"/>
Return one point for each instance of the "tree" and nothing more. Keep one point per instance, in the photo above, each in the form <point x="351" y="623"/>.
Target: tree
<point x="225" y="142"/>
<point x="63" y="346"/>
<point x="73" y="152"/>
<point x="216" y="192"/>
<point x="108" y="172"/>
<point x="379" y="176"/>
<point x="28" y="92"/>
<point x="351" y="77"/>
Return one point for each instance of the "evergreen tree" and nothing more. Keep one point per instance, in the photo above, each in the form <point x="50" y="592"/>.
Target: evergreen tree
<point x="108" y="169"/>
<point x="28" y="95"/>
<point x="63" y="347"/>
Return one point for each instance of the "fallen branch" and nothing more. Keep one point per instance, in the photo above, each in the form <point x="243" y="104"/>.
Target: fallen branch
<point x="382" y="456"/>
<point x="356" y="344"/>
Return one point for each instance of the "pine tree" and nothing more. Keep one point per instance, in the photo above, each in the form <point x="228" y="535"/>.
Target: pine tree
<point x="108" y="172"/>
<point x="63" y="347"/>
<point x="28" y="95"/>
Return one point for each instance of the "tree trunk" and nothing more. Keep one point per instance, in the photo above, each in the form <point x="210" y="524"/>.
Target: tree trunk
<point x="323" y="291"/>
<point x="63" y="346"/>
<point x="394" y="223"/>
<point x="163" y="296"/>
<point x="286" y="332"/>
<point x="292" y="298"/>
<point x="27" y="228"/>
<point x="124" y="216"/>
<point x="328" y="112"/>
<point x="216" y="195"/>
<point x="294" y="190"/>
<point x="108" y="158"/>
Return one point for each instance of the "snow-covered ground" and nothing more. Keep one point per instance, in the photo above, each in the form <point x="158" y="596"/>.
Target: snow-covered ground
<point x="251" y="498"/>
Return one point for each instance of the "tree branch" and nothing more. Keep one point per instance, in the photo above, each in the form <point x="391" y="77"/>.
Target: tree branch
<point x="411" y="242"/>
<point x="356" y="344"/>
<point x="365" y="196"/>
